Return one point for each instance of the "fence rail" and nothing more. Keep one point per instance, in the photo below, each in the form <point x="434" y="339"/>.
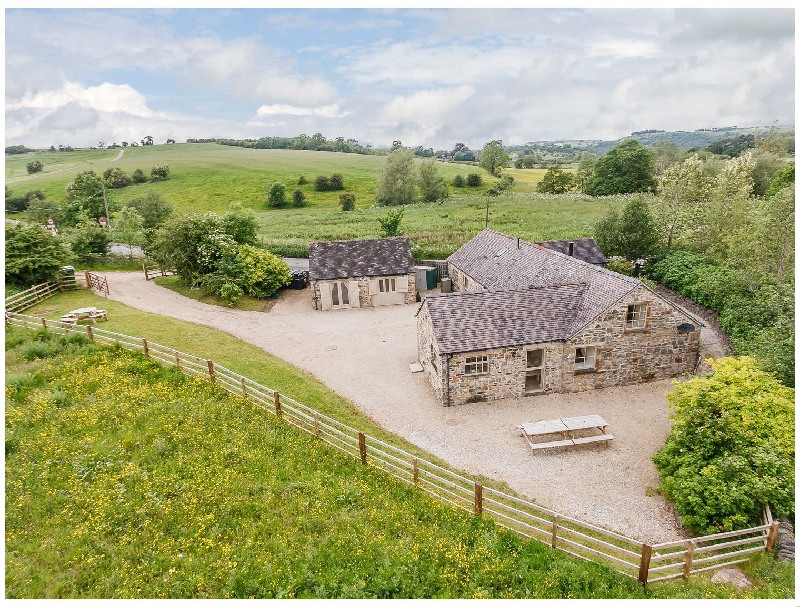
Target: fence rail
<point x="668" y="560"/>
<point x="150" y="272"/>
<point x="97" y="282"/>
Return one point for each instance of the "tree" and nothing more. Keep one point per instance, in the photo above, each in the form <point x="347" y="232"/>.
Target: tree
<point x="32" y="255"/>
<point x="299" y="198"/>
<point x="783" y="178"/>
<point x="529" y="160"/>
<point x="632" y="234"/>
<point x="276" y="198"/>
<point x="152" y="208"/>
<point x="240" y="224"/>
<point x="431" y="185"/>
<point x="626" y="168"/>
<point x="555" y="181"/>
<point x="390" y="224"/>
<point x="584" y="173"/>
<point x="262" y="272"/>
<point x="128" y="228"/>
<point x="506" y="184"/>
<point x="139" y="176"/>
<point x="148" y="140"/>
<point x="766" y="165"/>
<point x="89" y="239"/>
<point x="731" y="448"/>
<point x="682" y="190"/>
<point x="87" y="195"/>
<point x="494" y="157"/>
<point x="160" y="171"/>
<point x="396" y="182"/>
<point x="116" y="178"/>
<point x="35" y="166"/>
<point x="347" y="201"/>
<point x="459" y="181"/>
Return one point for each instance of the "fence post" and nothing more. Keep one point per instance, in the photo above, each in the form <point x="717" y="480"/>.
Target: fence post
<point x="44" y="324"/>
<point x="177" y="360"/>
<point x="362" y="447"/>
<point x="145" y="351"/>
<point x="144" y="267"/>
<point x="316" y="424"/>
<point x="555" y="532"/>
<point x="478" y="497"/>
<point x="211" y="369"/>
<point x="416" y="472"/>
<point x="24" y="322"/>
<point x="773" y="536"/>
<point x="687" y="563"/>
<point x="278" y="405"/>
<point x="244" y="389"/>
<point x="644" y="564"/>
<point x="89" y="333"/>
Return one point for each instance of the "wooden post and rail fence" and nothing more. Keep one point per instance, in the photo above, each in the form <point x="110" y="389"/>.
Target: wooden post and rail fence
<point x="641" y="561"/>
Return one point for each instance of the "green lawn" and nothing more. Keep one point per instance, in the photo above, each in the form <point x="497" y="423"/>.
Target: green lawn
<point x="208" y="177"/>
<point x="127" y="480"/>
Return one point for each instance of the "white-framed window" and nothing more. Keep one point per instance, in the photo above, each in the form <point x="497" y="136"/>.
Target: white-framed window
<point x="387" y="285"/>
<point x="476" y="365"/>
<point x="585" y="357"/>
<point x="636" y="317"/>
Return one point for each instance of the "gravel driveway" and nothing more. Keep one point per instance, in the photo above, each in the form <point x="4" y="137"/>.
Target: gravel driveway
<point x="363" y="355"/>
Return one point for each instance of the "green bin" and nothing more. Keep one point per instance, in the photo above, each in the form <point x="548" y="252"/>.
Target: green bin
<point x="431" y="277"/>
<point x="68" y="277"/>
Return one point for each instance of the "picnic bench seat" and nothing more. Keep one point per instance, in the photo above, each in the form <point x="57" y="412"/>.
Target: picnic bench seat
<point x="98" y="314"/>
<point x="567" y="442"/>
<point x="69" y="320"/>
<point x="593" y="439"/>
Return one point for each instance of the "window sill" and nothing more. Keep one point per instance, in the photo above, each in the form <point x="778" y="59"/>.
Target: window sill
<point x="585" y="371"/>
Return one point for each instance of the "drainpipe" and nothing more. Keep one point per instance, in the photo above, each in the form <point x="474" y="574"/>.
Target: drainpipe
<point x="447" y="379"/>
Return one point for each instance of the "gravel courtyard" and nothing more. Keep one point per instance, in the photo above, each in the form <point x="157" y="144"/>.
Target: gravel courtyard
<point x="363" y="355"/>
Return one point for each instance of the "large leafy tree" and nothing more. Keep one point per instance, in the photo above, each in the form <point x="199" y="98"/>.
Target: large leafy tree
<point x="32" y="255"/>
<point x="494" y="157"/>
<point x="87" y="194"/>
<point x="555" y="181"/>
<point x="397" y="183"/>
<point x="431" y="184"/>
<point x="240" y="223"/>
<point x="153" y="209"/>
<point x="683" y="188"/>
<point x="632" y="234"/>
<point x="128" y="228"/>
<point x="192" y="245"/>
<point x="626" y="168"/>
<point x="731" y="448"/>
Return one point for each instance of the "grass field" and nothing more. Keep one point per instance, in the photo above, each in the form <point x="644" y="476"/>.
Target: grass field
<point x="208" y="177"/>
<point x="127" y="480"/>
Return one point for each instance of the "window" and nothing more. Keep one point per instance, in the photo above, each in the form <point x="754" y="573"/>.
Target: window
<point x="387" y="285"/>
<point x="636" y="316"/>
<point x="335" y="294"/>
<point x="585" y="357"/>
<point x="475" y="365"/>
<point x="534" y="363"/>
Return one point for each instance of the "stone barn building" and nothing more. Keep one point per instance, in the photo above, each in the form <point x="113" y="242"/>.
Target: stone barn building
<point x="361" y="273"/>
<point x="529" y="320"/>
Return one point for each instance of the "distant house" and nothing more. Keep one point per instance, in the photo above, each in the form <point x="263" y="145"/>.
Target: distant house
<point x="528" y="320"/>
<point x="361" y="273"/>
<point x="585" y="249"/>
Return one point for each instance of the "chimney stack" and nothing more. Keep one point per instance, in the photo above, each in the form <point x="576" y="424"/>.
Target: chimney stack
<point x="518" y="243"/>
<point x="571" y="248"/>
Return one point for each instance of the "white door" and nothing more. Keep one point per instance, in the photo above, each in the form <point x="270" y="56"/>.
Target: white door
<point x="339" y="294"/>
<point x="388" y="291"/>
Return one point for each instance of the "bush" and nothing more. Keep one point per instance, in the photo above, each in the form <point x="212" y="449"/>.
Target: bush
<point x="506" y="184"/>
<point x="299" y="198"/>
<point x="117" y="178"/>
<point x="277" y="195"/>
<point x="459" y="181"/>
<point x="390" y="225"/>
<point x="474" y="180"/>
<point x="347" y="201"/>
<point x="731" y="448"/>
<point x="302" y="180"/>
<point x="322" y="183"/>
<point x="160" y="171"/>
<point x="35" y="166"/>
<point x="32" y="255"/>
<point x="336" y="182"/>
<point x="139" y="176"/>
<point x="620" y="266"/>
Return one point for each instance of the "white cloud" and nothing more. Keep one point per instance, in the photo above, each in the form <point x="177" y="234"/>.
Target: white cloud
<point x="427" y="105"/>
<point x="327" y="111"/>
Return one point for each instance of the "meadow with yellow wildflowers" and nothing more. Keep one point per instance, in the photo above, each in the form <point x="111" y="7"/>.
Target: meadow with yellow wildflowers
<point x="125" y="479"/>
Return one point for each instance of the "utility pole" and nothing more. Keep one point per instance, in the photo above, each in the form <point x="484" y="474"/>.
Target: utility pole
<point x="105" y="202"/>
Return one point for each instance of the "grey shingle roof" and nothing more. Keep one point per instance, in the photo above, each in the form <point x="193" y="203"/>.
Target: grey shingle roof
<point x="480" y="320"/>
<point x="498" y="261"/>
<point x="366" y="257"/>
<point x="585" y="249"/>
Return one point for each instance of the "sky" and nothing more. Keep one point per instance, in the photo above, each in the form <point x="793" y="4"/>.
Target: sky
<point x="430" y="77"/>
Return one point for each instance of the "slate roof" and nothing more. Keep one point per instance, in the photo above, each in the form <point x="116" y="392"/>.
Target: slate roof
<point x="585" y="249"/>
<point x="366" y="257"/>
<point x="481" y="320"/>
<point x="498" y="261"/>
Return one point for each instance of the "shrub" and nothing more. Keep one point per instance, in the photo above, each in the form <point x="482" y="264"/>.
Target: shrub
<point x="506" y="184"/>
<point x="620" y="266"/>
<point x="390" y="224"/>
<point x="32" y="255"/>
<point x="459" y="181"/>
<point x="731" y="448"/>
<point x="277" y="195"/>
<point x="474" y="180"/>
<point x="336" y="181"/>
<point x="302" y="180"/>
<point x="322" y="183"/>
<point x="160" y="171"/>
<point x="299" y="198"/>
<point x="117" y="178"/>
<point x="139" y="176"/>
<point x="348" y="201"/>
<point x="35" y="166"/>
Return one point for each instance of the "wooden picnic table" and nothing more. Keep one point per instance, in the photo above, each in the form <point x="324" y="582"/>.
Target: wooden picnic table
<point x="75" y="316"/>
<point x="565" y="428"/>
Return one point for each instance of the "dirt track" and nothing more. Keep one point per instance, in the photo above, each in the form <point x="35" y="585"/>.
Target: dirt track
<point x="363" y="355"/>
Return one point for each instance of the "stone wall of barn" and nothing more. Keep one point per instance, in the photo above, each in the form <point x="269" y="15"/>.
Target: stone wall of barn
<point x="631" y="356"/>
<point x="623" y="356"/>
<point x="458" y="277"/>
<point x="364" y="296"/>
